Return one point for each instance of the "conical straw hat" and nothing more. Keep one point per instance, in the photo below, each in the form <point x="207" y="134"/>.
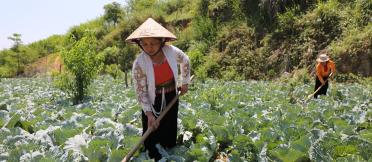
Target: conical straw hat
<point x="150" y="28"/>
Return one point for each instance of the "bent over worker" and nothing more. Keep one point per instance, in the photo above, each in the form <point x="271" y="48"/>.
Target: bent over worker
<point x="324" y="68"/>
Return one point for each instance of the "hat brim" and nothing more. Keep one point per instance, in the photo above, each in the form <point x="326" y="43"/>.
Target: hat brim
<point x="320" y="60"/>
<point x="150" y="29"/>
<point x="135" y="40"/>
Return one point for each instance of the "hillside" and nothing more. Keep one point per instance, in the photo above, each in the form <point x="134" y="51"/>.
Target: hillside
<point x="44" y="66"/>
<point x="228" y="39"/>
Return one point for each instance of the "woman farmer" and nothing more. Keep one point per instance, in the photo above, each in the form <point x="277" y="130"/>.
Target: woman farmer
<point x="155" y="73"/>
<point x="325" y="68"/>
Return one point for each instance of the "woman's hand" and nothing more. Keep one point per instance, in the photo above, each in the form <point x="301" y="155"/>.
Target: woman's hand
<point x="151" y="120"/>
<point x="184" y="89"/>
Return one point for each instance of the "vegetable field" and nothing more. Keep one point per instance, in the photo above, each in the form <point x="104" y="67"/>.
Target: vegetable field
<point x="231" y="121"/>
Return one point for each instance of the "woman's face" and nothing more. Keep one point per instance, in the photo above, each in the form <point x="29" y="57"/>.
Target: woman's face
<point x="324" y="63"/>
<point x="150" y="45"/>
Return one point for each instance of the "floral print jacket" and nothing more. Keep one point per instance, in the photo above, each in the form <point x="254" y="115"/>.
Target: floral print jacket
<point x="143" y="74"/>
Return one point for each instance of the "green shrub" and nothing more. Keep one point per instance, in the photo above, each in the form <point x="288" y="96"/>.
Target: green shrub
<point x="204" y="30"/>
<point x="301" y="76"/>
<point x="322" y="24"/>
<point x="231" y="74"/>
<point x="348" y="78"/>
<point x="64" y="82"/>
<point x="361" y="13"/>
<point x="210" y="68"/>
<point x="7" y="72"/>
<point x="238" y="58"/>
<point x="83" y="63"/>
<point x="224" y="10"/>
<point x="196" y="55"/>
<point x="111" y="55"/>
<point x="287" y="20"/>
<point x="352" y="52"/>
<point x="114" y="71"/>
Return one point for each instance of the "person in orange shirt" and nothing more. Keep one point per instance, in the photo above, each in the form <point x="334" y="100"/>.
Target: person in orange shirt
<point x="325" y="69"/>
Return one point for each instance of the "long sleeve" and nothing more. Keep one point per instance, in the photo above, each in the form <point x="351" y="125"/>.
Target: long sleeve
<point x="319" y="72"/>
<point x="140" y="84"/>
<point x="184" y="62"/>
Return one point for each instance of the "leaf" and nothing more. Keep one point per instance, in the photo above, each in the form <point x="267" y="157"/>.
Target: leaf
<point x="349" y="158"/>
<point x="198" y="153"/>
<point x="339" y="125"/>
<point x="88" y="111"/>
<point x="13" y="121"/>
<point x="302" y="144"/>
<point x="27" y="126"/>
<point x="130" y="141"/>
<point x="76" y="143"/>
<point x="223" y="136"/>
<point x="343" y="150"/>
<point x="244" y="145"/>
<point x="367" y="135"/>
<point x="61" y="135"/>
<point x="287" y="154"/>
<point x="97" y="150"/>
<point x="117" y="155"/>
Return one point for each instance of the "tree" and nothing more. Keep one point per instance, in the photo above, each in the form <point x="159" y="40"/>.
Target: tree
<point x="44" y="47"/>
<point x="113" y="13"/>
<point x="8" y="63"/>
<point x="123" y="56"/>
<point x="83" y="62"/>
<point x="16" y="38"/>
<point x="2" y="59"/>
<point x="126" y="58"/>
<point x="111" y="61"/>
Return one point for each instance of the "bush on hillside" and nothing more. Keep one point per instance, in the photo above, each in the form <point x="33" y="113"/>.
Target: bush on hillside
<point x="353" y="52"/>
<point x="237" y="48"/>
<point x="210" y="67"/>
<point x="111" y="55"/>
<point x="7" y="72"/>
<point x="359" y="14"/>
<point x="322" y="25"/>
<point x="225" y="10"/>
<point x="205" y="30"/>
<point x="300" y="37"/>
<point x="196" y="54"/>
<point x="347" y="78"/>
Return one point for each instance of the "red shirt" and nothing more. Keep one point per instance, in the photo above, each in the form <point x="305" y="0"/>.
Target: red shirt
<point x="162" y="72"/>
